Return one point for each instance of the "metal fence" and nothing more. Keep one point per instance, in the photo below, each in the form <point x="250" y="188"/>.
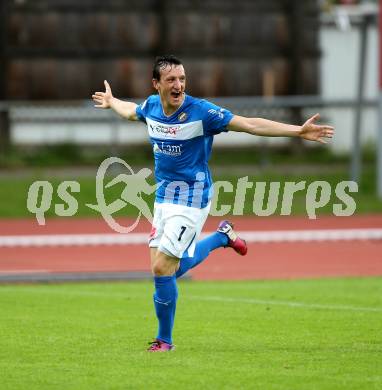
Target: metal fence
<point x="79" y="122"/>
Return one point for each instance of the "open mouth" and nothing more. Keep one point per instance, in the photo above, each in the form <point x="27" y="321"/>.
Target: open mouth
<point x="176" y="95"/>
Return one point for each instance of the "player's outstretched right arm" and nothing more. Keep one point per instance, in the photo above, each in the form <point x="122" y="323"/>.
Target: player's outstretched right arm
<point x="107" y="100"/>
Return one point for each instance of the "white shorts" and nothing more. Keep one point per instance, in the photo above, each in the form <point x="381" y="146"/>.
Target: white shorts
<point x="176" y="228"/>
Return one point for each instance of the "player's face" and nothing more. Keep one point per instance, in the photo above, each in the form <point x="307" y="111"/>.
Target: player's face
<point x="171" y="85"/>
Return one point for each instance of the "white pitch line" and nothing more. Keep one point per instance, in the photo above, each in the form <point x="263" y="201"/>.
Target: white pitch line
<point x="251" y="301"/>
<point x="142" y="238"/>
<point x="254" y="301"/>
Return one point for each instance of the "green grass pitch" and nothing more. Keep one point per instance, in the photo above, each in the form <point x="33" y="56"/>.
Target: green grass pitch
<point x="305" y="334"/>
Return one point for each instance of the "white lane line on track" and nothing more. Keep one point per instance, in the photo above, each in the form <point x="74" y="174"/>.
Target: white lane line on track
<point x="251" y="301"/>
<point x="73" y="239"/>
<point x="25" y="271"/>
<point x="141" y="238"/>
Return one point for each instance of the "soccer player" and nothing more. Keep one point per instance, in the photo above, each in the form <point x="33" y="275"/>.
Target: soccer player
<point x="181" y="130"/>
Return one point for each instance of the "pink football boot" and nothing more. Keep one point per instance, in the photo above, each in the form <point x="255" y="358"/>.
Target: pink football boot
<point x="160" y="346"/>
<point x="234" y="241"/>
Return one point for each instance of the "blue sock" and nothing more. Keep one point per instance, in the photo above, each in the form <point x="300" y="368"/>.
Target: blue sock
<point x="165" y="296"/>
<point x="202" y="250"/>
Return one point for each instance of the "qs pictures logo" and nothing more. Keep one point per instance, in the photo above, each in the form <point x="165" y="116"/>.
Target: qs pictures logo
<point x="265" y="201"/>
<point x="40" y="196"/>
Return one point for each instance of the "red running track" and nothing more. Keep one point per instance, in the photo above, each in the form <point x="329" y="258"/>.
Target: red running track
<point x="264" y="260"/>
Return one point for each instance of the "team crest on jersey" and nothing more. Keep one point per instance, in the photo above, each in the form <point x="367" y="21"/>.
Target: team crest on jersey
<point x="182" y="116"/>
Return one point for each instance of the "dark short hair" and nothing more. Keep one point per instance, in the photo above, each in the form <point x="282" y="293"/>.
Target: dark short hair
<point x="161" y="62"/>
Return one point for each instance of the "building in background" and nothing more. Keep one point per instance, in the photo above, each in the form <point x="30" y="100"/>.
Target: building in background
<point x="63" y="50"/>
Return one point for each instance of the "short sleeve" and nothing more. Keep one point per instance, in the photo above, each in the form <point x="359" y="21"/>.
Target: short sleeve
<point x="141" y="111"/>
<point x="215" y="118"/>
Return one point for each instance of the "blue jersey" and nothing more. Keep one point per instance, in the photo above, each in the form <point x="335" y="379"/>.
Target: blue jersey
<point x="182" y="145"/>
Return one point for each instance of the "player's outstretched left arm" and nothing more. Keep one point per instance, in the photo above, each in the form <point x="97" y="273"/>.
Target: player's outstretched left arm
<point x="264" y="127"/>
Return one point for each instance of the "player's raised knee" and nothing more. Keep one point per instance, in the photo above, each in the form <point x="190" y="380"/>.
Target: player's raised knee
<point x="158" y="269"/>
<point x="164" y="265"/>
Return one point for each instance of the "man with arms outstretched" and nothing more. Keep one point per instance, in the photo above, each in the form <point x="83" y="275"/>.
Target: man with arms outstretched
<point x="181" y="130"/>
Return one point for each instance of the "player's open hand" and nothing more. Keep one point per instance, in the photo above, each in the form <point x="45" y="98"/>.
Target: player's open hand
<point x="103" y="99"/>
<point x="312" y="132"/>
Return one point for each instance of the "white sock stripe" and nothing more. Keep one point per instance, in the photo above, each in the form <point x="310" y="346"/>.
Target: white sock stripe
<point x="162" y="303"/>
<point x="142" y="238"/>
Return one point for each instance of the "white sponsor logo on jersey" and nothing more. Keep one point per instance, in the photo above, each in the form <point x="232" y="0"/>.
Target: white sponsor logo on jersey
<point x="168" y="149"/>
<point x="167" y="131"/>
<point x="181" y="131"/>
